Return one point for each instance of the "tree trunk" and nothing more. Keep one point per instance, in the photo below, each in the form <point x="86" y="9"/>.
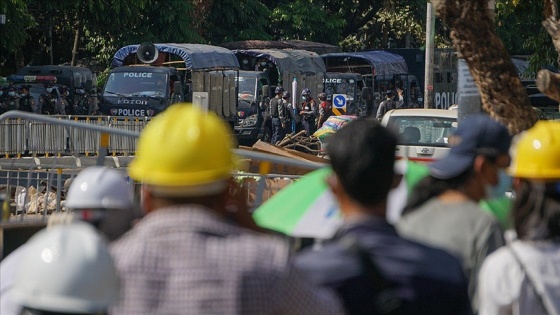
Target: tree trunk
<point x="474" y="37"/>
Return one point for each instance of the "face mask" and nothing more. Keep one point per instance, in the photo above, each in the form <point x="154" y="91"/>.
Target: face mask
<point x="49" y="90"/>
<point x="304" y="98"/>
<point x="245" y="61"/>
<point x="503" y="186"/>
<point x="263" y="64"/>
<point x="12" y="93"/>
<point x="22" y="94"/>
<point x="80" y="91"/>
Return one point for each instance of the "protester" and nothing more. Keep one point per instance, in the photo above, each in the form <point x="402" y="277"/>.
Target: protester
<point x="101" y="196"/>
<point x="276" y="104"/>
<point x="66" y="269"/>
<point x="194" y="252"/>
<point x="523" y="278"/>
<point x="371" y="267"/>
<point x="443" y="209"/>
<point x="98" y="195"/>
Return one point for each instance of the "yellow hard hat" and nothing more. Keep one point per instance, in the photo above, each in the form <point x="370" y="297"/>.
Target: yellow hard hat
<point x="184" y="152"/>
<point x="536" y="152"/>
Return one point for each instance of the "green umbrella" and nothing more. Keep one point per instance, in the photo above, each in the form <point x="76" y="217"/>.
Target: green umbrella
<point x="305" y="208"/>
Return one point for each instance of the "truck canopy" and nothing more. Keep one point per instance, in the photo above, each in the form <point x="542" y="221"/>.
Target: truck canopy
<point x="293" y="61"/>
<point x="195" y="56"/>
<point x="319" y="48"/>
<point x="377" y="62"/>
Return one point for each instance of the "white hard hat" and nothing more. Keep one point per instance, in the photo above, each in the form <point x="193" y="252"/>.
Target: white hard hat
<point x="99" y="187"/>
<point x="67" y="269"/>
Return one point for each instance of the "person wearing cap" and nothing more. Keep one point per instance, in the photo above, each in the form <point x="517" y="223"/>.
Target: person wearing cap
<point x="370" y="266"/>
<point x="197" y="250"/>
<point x="287" y="114"/>
<point x="66" y="269"/>
<point x="389" y="103"/>
<point x="523" y="277"/>
<point x="443" y="209"/>
<point x="276" y="105"/>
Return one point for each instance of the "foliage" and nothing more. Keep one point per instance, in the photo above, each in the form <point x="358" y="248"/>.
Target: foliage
<point x="39" y="30"/>
<point x="307" y="20"/>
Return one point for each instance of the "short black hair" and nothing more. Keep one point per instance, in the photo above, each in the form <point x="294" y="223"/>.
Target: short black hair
<point x="362" y="155"/>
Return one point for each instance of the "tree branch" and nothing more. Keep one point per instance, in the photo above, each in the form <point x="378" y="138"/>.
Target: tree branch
<point x="475" y="38"/>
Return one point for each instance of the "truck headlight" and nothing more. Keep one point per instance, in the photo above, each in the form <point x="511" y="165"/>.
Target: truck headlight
<point x="249" y="121"/>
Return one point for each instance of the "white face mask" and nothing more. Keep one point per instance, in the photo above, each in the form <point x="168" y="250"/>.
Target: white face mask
<point x="504" y="185"/>
<point x="304" y="98"/>
<point x="11" y="93"/>
<point x="263" y="63"/>
<point x="49" y="90"/>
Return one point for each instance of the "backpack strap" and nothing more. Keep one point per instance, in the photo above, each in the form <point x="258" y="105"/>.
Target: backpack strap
<point x="530" y="280"/>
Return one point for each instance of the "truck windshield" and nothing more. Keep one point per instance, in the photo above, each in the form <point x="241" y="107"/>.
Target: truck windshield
<point x="247" y="88"/>
<point x="136" y="84"/>
<point x="341" y="86"/>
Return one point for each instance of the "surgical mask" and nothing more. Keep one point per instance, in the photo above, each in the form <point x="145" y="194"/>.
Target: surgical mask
<point x="11" y="93"/>
<point x="245" y="61"/>
<point x="304" y="98"/>
<point x="263" y="63"/>
<point x="499" y="191"/>
<point x="49" y="90"/>
<point x="22" y="94"/>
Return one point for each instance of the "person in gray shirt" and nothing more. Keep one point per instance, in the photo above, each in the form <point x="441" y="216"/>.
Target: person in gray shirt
<point x="443" y="210"/>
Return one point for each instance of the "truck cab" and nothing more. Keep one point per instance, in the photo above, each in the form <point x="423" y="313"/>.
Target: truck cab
<point x="254" y="93"/>
<point x="138" y="91"/>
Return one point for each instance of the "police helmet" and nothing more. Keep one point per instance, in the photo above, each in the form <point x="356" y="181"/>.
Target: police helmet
<point x="322" y="96"/>
<point x="279" y="90"/>
<point x="306" y="91"/>
<point x="286" y="95"/>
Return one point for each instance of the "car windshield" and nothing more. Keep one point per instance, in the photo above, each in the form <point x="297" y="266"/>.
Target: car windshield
<point x="136" y="84"/>
<point x="247" y="88"/>
<point x="427" y="131"/>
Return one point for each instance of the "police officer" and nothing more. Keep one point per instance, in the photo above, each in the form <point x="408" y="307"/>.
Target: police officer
<point x="27" y="102"/>
<point x="325" y="109"/>
<point x="287" y="114"/>
<point x="389" y="103"/>
<point x="12" y="100"/>
<point x="308" y="111"/>
<point x="275" y="104"/>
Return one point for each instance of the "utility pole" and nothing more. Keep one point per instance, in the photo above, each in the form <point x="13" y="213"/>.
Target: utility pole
<point x="429" y="67"/>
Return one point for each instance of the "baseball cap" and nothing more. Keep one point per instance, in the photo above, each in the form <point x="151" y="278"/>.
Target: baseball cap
<point x="477" y="134"/>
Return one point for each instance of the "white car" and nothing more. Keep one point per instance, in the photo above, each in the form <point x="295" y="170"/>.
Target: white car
<point x="423" y="133"/>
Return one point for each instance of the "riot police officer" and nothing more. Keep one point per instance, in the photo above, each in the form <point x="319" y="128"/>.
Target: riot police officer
<point x="27" y="102"/>
<point x="12" y="100"/>
<point x="275" y="105"/>
<point x="308" y="112"/>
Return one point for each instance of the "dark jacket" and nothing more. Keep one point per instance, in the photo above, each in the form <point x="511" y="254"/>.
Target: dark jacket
<point x="426" y="280"/>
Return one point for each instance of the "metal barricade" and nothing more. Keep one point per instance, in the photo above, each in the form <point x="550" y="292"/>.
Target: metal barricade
<point x="121" y="145"/>
<point x="13" y="137"/>
<point x="84" y="141"/>
<point x="48" y="138"/>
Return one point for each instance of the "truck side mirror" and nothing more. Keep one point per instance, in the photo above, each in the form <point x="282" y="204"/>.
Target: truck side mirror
<point x="266" y="91"/>
<point x="366" y="94"/>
